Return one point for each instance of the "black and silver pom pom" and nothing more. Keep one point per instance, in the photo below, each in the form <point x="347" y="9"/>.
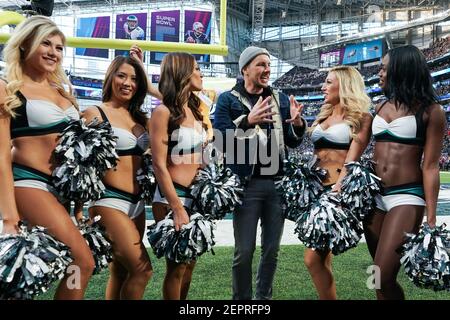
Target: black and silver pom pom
<point x="194" y="238"/>
<point x="84" y="153"/>
<point x="96" y="238"/>
<point x="217" y="191"/>
<point x="30" y="262"/>
<point x="359" y="188"/>
<point x="328" y="226"/>
<point x="301" y="184"/>
<point x="146" y="179"/>
<point x="426" y="257"/>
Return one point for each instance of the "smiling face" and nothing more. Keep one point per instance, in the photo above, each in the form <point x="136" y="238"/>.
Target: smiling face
<point x="196" y="80"/>
<point x="383" y="72"/>
<point x="124" y="83"/>
<point x="48" y="55"/>
<point x="257" y="72"/>
<point x="330" y="89"/>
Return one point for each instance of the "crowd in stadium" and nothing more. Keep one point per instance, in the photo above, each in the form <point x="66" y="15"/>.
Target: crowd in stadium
<point x="444" y="161"/>
<point x="299" y="77"/>
<point x="438" y="48"/>
<point x="442" y="88"/>
<point x="439" y="66"/>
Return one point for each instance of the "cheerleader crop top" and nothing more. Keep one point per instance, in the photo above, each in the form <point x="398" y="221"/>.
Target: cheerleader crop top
<point x="406" y="130"/>
<point x="337" y="136"/>
<point x="187" y="140"/>
<point x="127" y="143"/>
<point x="35" y="117"/>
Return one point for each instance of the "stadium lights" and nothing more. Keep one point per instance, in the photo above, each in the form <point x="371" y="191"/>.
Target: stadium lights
<point x="442" y="16"/>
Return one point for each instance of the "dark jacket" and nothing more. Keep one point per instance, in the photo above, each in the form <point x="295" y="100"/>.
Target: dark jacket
<point x="231" y="113"/>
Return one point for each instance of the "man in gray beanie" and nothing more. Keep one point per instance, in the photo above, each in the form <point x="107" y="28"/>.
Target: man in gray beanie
<point x="258" y="123"/>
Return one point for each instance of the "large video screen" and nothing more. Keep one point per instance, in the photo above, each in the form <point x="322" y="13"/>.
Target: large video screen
<point x="363" y="51"/>
<point x="331" y="58"/>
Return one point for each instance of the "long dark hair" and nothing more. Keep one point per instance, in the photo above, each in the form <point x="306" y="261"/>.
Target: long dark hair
<point x="138" y="98"/>
<point x="176" y="72"/>
<point x="409" y="82"/>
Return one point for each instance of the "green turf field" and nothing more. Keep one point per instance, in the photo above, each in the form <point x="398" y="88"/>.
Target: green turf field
<point x="445" y="177"/>
<point x="212" y="278"/>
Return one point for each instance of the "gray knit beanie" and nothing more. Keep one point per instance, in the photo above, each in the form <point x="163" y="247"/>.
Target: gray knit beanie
<point x="249" y="54"/>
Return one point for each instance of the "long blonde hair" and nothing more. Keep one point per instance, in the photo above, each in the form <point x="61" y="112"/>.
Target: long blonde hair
<point x="25" y="40"/>
<point x="352" y="96"/>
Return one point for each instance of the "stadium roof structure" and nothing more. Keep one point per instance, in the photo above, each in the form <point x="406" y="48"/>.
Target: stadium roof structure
<point x="439" y="17"/>
<point x="274" y="24"/>
<point x="287" y="11"/>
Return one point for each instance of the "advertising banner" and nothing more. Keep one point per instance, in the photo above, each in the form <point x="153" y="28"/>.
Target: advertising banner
<point x="93" y="27"/>
<point x="131" y="26"/>
<point x="165" y="26"/>
<point x="197" y="29"/>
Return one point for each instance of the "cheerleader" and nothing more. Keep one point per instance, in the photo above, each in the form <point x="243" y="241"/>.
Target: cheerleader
<point x="121" y="206"/>
<point x="340" y="134"/>
<point x="408" y="128"/>
<point x="34" y="108"/>
<point x="178" y="136"/>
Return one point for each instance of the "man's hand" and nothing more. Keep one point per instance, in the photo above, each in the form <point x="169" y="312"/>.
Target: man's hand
<point x="296" y="112"/>
<point x="261" y="112"/>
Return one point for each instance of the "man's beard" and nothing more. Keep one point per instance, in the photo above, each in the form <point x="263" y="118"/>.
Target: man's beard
<point x="261" y="85"/>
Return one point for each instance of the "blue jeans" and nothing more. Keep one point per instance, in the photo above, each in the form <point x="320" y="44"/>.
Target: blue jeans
<point x="261" y="201"/>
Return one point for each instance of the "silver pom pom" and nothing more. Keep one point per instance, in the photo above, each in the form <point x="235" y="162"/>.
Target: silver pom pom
<point x="194" y="238"/>
<point x="96" y="238"/>
<point x="217" y="191"/>
<point x="359" y="188"/>
<point x="328" y="225"/>
<point x="426" y="257"/>
<point x="146" y="179"/>
<point x="30" y="262"/>
<point x="301" y="184"/>
<point x="84" y="153"/>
